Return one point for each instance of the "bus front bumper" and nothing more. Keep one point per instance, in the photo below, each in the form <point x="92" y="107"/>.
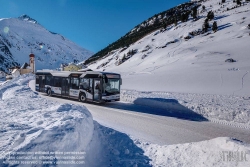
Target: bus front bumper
<point x="112" y="97"/>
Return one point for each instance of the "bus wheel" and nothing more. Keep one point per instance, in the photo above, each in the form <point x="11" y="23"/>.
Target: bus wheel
<point x="82" y="97"/>
<point x="49" y="92"/>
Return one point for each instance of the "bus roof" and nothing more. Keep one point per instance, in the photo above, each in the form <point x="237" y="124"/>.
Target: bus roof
<point x="57" y="73"/>
<point x="68" y="73"/>
<point x="96" y="73"/>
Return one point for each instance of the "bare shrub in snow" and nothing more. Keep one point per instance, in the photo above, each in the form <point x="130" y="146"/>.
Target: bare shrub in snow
<point x="230" y="60"/>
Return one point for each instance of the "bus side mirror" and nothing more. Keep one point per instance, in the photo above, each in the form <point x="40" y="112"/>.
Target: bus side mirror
<point x="120" y="81"/>
<point x="106" y="80"/>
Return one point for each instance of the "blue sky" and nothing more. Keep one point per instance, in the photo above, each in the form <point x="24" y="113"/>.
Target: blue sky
<point x="92" y="24"/>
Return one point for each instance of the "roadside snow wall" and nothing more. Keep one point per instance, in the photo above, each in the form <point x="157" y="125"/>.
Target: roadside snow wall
<point x="30" y="123"/>
<point x="224" y="109"/>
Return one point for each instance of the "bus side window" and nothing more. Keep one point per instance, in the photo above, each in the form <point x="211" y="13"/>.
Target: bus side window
<point x="43" y="80"/>
<point x="52" y="81"/>
<point x="58" y="82"/>
<point x="85" y="83"/>
<point x="74" y="83"/>
<point x="37" y="79"/>
<point x="48" y="80"/>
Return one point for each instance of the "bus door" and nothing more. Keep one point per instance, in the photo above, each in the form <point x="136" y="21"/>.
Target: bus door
<point x="42" y="83"/>
<point x="65" y="86"/>
<point x="97" y="90"/>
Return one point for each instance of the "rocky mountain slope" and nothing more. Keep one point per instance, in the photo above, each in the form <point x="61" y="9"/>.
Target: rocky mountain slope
<point x="163" y="19"/>
<point x="23" y="35"/>
<point x="189" y="56"/>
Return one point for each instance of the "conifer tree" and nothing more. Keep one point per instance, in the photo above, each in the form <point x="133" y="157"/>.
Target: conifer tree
<point x="238" y="2"/>
<point x="210" y="15"/>
<point x="215" y="27"/>
<point x="205" y="25"/>
<point x="175" y="21"/>
<point x="194" y="13"/>
<point x="183" y="17"/>
<point x="164" y="25"/>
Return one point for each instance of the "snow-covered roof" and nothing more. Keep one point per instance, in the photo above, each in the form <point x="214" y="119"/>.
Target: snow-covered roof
<point x="97" y="73"/>
<point x="24" y="66"/>
<point x="57" y="73"/>
<point x="64" y="73"/>
<point x="68" y="73"/>
<point x="84" y="70"/>
<point x="14" y="71"/>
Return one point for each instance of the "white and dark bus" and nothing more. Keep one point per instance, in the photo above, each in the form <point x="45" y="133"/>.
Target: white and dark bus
<point x="86" y="86"/>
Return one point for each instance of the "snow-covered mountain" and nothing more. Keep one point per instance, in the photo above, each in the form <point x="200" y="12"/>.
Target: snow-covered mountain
<point x="183" y="58"/>
<point x="19" y="36"/>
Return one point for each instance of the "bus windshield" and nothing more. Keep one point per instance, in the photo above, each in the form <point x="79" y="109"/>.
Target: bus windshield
<point x="112" y="86"/>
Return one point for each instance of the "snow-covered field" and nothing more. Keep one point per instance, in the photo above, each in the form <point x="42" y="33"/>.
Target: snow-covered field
<point x="165" y="61"/>
<point x="31" y="124"/>
<point x="225" y="109"/>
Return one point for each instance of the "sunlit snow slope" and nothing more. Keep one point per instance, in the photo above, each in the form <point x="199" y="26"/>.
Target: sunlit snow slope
<point x="166" y="61"/>
<point x="20" y="36"/>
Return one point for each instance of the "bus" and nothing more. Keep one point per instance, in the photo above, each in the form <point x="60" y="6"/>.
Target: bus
<point x="85" y="86"/>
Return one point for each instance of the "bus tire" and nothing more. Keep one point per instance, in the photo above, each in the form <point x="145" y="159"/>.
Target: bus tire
<point x="82" y="97"/>
<point x="49" y="92"/>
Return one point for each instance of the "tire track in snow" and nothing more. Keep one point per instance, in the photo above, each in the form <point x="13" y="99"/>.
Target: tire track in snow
<point x="242" y="82"/>
<point x="222" y="81"/>
<point x="242" y="85"/>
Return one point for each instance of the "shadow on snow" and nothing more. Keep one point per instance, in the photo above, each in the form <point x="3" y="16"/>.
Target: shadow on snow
<point x="220" y="17"/>
<point x="155" y="106"/>
<point x="159" y="106"/>
<point x="113" y="148"/>
<point x="221" y="27"/>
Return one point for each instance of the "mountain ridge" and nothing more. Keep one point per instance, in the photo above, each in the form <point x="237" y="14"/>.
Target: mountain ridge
<point x="190" y="56"/>
<point x="24" y="34"/>
<point x="153" y="23"/>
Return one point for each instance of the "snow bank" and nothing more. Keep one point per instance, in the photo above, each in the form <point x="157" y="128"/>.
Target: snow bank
<point x="114" y="148"/>
<point x="231" y="110"/>
<point x="223" y="152"/>
<point x="32" y="84"/>
<point x="30" y="123"/>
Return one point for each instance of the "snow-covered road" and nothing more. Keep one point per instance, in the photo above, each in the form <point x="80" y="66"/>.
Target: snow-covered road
<point x="140" y="122"/>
